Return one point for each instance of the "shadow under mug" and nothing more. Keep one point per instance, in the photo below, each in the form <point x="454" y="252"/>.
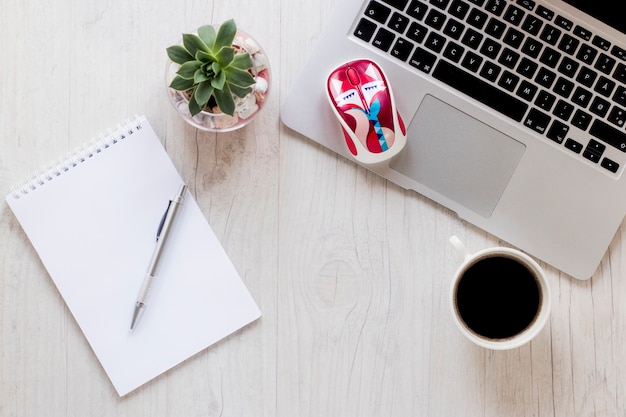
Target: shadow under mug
<point x="499" y="296"/>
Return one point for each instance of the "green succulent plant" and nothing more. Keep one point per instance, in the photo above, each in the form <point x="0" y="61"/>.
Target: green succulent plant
<point x="210" y="67"/>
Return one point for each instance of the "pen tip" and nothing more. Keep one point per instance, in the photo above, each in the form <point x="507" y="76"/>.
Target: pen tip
<point x="136" y="315"/>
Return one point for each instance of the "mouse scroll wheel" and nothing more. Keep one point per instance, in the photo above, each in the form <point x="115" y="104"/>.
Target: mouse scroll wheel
<point x="353" y="76"/>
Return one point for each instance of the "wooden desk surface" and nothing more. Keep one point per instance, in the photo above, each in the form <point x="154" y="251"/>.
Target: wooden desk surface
<point x="351" y="272"/>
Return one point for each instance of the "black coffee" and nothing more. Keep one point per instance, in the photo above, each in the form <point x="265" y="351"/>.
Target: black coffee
<point x="498" y="297"/>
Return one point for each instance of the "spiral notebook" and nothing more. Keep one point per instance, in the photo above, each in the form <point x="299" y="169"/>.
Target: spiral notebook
<point x="92" y="218"/>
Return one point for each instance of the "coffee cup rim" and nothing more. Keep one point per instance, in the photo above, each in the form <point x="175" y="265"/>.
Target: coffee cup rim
<point x="538" y="322"/>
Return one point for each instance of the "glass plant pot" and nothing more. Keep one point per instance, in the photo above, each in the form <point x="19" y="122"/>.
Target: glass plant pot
<point x="246" y="108"/>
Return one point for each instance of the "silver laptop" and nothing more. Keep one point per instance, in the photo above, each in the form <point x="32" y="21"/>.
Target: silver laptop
<point x="515" y="112"/>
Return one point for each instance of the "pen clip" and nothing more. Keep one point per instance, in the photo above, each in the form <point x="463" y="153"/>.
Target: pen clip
<point x="162" y="222"/>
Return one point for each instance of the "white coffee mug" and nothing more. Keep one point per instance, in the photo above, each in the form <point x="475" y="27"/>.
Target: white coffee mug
<point x="499" y="296"/>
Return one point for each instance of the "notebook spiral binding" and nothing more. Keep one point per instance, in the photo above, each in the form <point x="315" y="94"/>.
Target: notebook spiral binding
<point x="81" y="154"/>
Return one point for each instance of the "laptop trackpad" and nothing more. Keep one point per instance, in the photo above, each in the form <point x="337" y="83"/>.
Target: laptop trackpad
<point x="458" y="156"/>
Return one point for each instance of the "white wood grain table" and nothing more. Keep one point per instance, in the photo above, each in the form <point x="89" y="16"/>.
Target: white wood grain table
<point x="351" y="272"/>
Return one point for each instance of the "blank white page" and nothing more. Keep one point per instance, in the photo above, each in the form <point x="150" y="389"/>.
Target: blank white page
<point x="94" y="227"/>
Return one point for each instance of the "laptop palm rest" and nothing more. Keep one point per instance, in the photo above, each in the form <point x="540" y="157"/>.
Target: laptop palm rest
<point x="458" y="156"/>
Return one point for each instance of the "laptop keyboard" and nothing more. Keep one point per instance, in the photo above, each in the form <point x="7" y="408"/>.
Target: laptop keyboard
<point x="521" y="59"/>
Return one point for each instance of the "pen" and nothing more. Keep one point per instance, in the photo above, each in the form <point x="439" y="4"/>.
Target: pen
<point x="163" y="232"/>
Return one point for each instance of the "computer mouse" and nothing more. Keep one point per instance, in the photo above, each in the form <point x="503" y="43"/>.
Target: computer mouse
<point x="362" y="99"/>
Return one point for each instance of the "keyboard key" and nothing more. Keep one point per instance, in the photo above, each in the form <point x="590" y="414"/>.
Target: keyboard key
<point x="417" y="9"/>
<point x="532" y="47"/>
<point x="563" y="110"/>
<point x="472" y="61"/>
<point x="545" y="13"/>
<point x="581" y="120"/>
<point x="442" y="4"/>
<point x="453" y="52"/>
<point x="383" y="39"/>
<point x="545" y="100"/>
<point x="574" y="146"/>
<point x="398" y="22"/>
<point x="527" y="91"/>
<point x="378" y="12"/>
<point x="610" y="165"/>
<point x="480" y="90"/>
<point x="508" y="81"/>
<point x="435" y="19"/>
<point x="490" y="48"/>
<point x="527" y="4"/>
<point x="527" y="68"/>
<point x="417" y="32"/>
<point x="454" y="29"/>
<point x="599" y="107"/>
<point x="594" y="150"/>
<point x="401" y="49"/>
<point x="509" y="58"/>
<point x="564" y="23"/>
<point x="490" y="71"/>
<point x="605" y="63"/>
<point x="587" y="54"/>
<point x="513" y="38"/>
<point x="592" y="156"/>
<point x="619" y="52"/>
<point x="477" y="18"/>
<point x="537" y="121"/>
<point x="620" y="73"/>
<point x="550" y="57"/>
<point x="495" y="6"/>
<point x="472" y="38"/>
<point x="601" y="43"/>
<point x="514" y="15"/>
<point x="617" y="116"/>
<point x="423" y="60"/>
<point x="582" y="97"/>
<point x="563" y="87"/>
<point x="495" y="28"/>
<point x="568" y="44"/>
<point x="459" y="9"/>
<point x="605" y="86"/>
<point x="398" y="4"/>
<point x="609" y="134"/>
<point x="365" y="30"/>
<point x="586" y="77"/>
<point x="596" y="147"/>
<point x="435" y="42"/>
<point x="532" y="24"/>
<point x="582" y="33"/>
<point x="545" y="77"/>
<point x="568" y="67"/>
<point x="557" y="132"/>
<point x="620" y="95"/>
<point x="550" y="34"/>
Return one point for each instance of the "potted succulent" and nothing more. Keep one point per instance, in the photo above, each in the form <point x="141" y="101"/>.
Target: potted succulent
<point x="218" y="78"/>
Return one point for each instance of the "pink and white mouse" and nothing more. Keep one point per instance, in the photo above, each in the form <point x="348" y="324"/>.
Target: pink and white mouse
<point x="363" y="101"/>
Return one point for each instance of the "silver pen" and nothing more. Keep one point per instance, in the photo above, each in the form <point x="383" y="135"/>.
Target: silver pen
<point x="162" y="235"/>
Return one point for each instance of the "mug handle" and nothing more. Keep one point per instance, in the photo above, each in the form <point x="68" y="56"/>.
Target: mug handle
<point x="459" y="248"/>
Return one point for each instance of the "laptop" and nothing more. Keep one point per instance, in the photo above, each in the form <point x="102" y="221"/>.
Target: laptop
<point x="515" y="113"/>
